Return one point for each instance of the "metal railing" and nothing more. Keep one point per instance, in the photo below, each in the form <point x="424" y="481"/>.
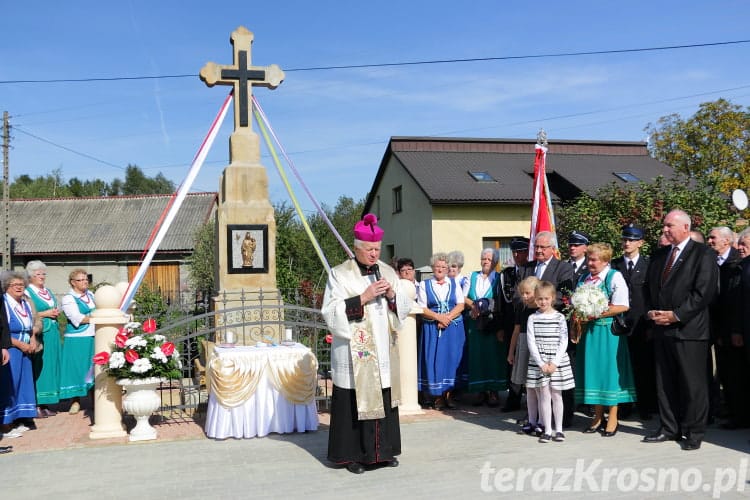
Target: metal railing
<point x="253" y="316"/>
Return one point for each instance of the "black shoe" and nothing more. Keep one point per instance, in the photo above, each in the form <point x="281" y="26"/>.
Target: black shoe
<point x="609" y="434"/>
<point x="690" y="444"/>
<point x="393" y="463"/>
<point x="659" y="437"/>
<point x="355" y="468"/>
<point x="5" y="449"/>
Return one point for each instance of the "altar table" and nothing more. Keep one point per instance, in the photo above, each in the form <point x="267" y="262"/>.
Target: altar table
<point x="254" y="391"/>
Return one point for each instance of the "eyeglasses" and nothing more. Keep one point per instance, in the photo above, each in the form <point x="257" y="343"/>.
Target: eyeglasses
<point x="406" y="270"/>
<point x="84" y="279"/>
<point x="17" y="285"/>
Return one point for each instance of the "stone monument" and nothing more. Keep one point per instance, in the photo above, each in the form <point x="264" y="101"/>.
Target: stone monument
<point x="246" y="228"/>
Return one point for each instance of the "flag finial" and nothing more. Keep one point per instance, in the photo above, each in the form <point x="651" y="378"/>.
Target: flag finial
<point x="541" y="138"/>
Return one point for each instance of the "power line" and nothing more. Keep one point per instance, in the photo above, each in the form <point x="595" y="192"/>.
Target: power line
<point x="404" y="63"/>
<point x="105" y="162"/>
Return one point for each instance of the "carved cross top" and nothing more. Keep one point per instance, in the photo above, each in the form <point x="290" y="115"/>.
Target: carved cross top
<point x="242" y="75"/>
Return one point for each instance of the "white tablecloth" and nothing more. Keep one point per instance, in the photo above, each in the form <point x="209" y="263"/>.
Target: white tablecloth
<point x="265" y="409"/>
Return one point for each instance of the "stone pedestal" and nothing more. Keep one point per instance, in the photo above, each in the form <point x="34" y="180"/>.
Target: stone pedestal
<point x="407" y="349"/>
<point x="107" y="319"/>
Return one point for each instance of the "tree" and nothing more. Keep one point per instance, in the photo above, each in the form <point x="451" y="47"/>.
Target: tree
<point x="713" y="146"/>
<point x="613" y="206"/>
<point x="53" y="185"/>
<point x="201" y="262"/>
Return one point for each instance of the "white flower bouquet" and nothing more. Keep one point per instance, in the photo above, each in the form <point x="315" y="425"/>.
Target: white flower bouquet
<point x="588" y="302"/>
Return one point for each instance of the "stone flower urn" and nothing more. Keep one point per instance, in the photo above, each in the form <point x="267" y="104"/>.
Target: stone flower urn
<point x="141" y="401"/>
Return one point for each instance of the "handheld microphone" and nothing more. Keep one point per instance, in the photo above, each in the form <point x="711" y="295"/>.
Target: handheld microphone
<point x="376" y="271"/>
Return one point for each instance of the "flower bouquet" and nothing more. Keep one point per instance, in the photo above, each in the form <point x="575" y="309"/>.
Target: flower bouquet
<point x="588" y="302"/>
<point x="140" y="356"/>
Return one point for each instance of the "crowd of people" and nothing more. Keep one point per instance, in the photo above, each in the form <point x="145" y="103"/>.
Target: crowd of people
<point x="671" y="341"/>
<point x="41" y="368"/>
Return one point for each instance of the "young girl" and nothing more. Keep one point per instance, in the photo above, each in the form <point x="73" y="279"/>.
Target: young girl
<point x="549" y="367"/>
<point x="518" y="351"/>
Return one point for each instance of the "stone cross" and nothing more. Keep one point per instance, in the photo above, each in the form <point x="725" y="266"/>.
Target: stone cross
<point x="242" y="76"/>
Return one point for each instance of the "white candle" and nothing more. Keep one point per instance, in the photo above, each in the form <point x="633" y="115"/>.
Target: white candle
<point x="229" y="337"/>
<point x="288" y="333"/>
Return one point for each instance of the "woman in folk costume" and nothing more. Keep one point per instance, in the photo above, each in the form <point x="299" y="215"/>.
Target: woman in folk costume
<point x="76" y="369"/>
<point x="363" y="308"/>
<point x="47" y="363"/>
<point x="17" y="398"/>
<point x="441" y="345"/>
<point x="487" y="351"/>
<point x="604" y="376"/>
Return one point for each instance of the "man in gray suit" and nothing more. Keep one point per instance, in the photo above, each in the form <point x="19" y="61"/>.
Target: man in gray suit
<point x="682" y="282"/>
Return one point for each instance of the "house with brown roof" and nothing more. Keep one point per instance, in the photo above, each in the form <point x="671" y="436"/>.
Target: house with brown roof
<point x="435" y="194"/>
<point x="107" y="236"/>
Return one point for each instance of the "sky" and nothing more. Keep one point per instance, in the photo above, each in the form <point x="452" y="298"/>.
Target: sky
<point x="336" y="123"/>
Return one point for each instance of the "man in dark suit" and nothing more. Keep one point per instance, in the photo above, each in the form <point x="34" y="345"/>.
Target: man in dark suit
<point x="578" y="243"/>
<point x="682" y="281"/>
<point x="728" y="345"/>
<point x="741" y="310"/>
<point x="633" y="267"/>
<point x="547" y="267"/>
<point x="506" y="307"/>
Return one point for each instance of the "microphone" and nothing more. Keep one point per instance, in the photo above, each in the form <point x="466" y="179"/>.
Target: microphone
<point x="376" y="271"/>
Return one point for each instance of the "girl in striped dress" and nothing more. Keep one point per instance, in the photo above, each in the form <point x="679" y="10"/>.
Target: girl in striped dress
<point x="549" y="366"/>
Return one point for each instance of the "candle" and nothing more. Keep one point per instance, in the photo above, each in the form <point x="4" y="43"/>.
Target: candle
<point x="288" y="333"/>
<point x="229" y="337"/>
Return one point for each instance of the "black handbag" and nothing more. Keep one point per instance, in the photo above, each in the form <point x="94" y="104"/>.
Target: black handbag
<point x="620" y="326"/>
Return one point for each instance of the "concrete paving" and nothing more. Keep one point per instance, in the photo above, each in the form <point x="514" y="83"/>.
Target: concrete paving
<point x="460" y="454"/>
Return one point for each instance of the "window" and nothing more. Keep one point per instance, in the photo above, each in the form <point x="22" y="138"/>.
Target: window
<point x="481" y="176"/>
<point x="626" y="176"/>
<point x="397" y="200"/>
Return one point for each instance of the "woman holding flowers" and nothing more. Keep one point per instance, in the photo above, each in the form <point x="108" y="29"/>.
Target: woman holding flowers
<point x="604" y="376"/>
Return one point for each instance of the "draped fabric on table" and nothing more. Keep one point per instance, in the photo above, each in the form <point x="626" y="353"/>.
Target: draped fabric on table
<point x="292" y="372"/>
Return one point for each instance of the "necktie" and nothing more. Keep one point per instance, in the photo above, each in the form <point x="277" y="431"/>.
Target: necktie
<point x="630" y="268"/>
<point x="539" y="270"/>
<point x="670" y="263"/>
<point x="719" y="259"/>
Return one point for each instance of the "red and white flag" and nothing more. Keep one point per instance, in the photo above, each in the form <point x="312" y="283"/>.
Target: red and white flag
<point x="542" y="216"/>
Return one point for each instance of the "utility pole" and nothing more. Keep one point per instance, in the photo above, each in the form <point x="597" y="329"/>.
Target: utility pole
<point x="6" y="195"/>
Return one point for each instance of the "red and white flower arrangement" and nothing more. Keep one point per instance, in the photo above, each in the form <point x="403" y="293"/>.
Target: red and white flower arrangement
<point x="140" y="356"/>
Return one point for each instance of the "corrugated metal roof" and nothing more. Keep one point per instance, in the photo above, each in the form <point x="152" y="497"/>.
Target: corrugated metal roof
<point x="120" y="224"/>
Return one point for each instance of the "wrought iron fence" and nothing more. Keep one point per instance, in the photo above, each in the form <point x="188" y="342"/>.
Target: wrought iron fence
<point x="253" y="316"/>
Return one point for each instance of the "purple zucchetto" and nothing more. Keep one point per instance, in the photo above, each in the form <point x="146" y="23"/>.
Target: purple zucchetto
<point x="367" y="229"/>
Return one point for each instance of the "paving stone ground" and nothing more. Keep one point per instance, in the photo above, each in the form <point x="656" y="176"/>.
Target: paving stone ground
<point x="465" y="453"/>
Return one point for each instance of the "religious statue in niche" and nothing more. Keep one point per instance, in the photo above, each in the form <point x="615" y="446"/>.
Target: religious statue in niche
<point x="248" y="250"/>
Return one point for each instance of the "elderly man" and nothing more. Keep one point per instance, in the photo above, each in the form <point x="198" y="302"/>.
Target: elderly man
<point x="682" y="282"/>
<point x="730" y="353"/>
<point x="363" y="308"/>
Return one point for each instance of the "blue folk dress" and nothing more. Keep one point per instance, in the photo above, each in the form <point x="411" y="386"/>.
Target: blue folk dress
<point x="440" y="351"/>
<point x="17" y="398"/>
<point x="47" y="363"/>
<point x="604" y="375"/>
<point x="76" y="366"/>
